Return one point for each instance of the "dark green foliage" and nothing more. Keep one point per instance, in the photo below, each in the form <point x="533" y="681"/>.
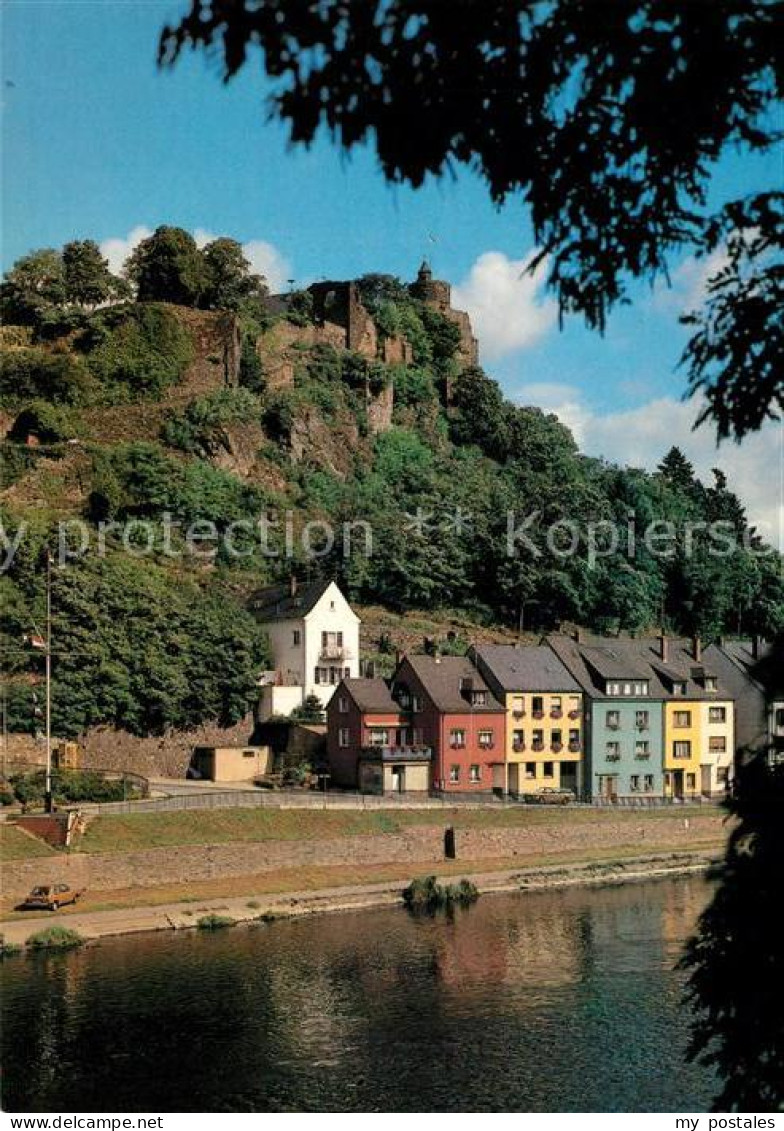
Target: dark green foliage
<point x="37" y="373"/>
<point x="199" y="428"/>
<point x="34" y="286"/>
<point x="136" y="352"/>
<point x="88" y="280"/>
<point x="8" y="949"/>
<point x="427" y="895"/>
<point x="300" y="308"/>
<point x="167" y="267"/>
<point x="311" y="711"/>
<point x="227" y="278"/>
<point x="49" y="423"/>
<point x="252" y="374"/>
<point x="73" y="785"/>
<point x="735" y="962"/>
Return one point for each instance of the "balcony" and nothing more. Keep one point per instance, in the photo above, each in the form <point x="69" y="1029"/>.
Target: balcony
<point x="518" y="747"/>
<point x="334" y="652"/>
<point x="538" y="714"/>
<point x="537" y="747"/>
<point x="518" y="714"/>
<point x="556" y="713"/>
<point x="398" y="753"/>
<point x="574" y="748"/>
<point x="575" y="713"/>
<point x="556" y="747"/>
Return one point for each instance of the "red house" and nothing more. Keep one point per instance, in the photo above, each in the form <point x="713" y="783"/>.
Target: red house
<point x="370" y="745"/>
<point x="452" y="710"/>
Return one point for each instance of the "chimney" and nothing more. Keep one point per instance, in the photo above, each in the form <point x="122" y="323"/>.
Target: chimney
<point x="696" y="648"/>
<point x="664" y="649"/>
<point x="292" y="586"/>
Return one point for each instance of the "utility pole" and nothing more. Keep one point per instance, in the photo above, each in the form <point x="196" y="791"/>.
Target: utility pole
<point x="48" y="660"/>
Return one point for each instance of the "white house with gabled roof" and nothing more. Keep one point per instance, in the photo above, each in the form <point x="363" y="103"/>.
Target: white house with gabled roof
<point x="314" y="638"/>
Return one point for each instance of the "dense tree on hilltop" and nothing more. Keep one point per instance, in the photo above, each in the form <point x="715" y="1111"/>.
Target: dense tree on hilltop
<point x="34" y="285"/>
<point x="88" y="280"/>
<point x="563" y="104"/>
<point x="167" y="267"/>
<point x="228" y="279"/>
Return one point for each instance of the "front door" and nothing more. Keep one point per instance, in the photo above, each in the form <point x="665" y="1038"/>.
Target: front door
<point x="677" y="784"/>
<point x="398" y="779"/>
<point x="569" y="776"/>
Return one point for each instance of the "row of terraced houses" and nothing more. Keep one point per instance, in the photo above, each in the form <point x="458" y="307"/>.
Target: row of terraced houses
<point x="655" y="718"/>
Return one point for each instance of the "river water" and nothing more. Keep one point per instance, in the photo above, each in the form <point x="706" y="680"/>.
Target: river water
<point x="548" y="1001"/>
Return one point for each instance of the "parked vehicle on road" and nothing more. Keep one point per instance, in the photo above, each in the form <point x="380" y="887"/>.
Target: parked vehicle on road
<point x="52" y="896"/>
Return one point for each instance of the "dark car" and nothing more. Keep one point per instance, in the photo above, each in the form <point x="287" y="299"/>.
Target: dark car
<point x="52" y="896"/>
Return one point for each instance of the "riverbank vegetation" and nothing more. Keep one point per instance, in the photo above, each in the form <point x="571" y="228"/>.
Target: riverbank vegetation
<point x="426" y="894"/>
<point x="55" y="938"/>
<point x="215" y="922"/>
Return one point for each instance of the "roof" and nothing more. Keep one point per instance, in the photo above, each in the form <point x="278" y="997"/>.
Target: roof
<point x="441" y="677"/>
<point x="734" y="663"/>
<point x="371" y="695"/>
<point x="277" y="602"/>
<point x="532" y="668"/>
<point x="596" y="661"/>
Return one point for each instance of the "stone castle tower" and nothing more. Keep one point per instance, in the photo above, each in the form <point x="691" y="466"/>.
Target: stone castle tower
<point x="437" y="294"/>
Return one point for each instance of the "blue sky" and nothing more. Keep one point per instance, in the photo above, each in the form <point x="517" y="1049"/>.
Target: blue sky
<point x="98" y="143"/>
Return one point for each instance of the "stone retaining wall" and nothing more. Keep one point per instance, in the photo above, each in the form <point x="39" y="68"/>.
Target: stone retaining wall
<point x="418" y="846"/>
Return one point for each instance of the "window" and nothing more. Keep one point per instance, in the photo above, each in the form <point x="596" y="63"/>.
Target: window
<point x="634" y="783"/>
<point x="642" y="749"/>
<point x="537" y="706"/>
<point x="647" y="784"/>
<point x="454" y="774"/>
<point x="682" y="719"/>
<point x="379" y="736"/>
<point x="548" y="769"/>
<point x="486" y="739"/>
<point x="530" y="769"/>
<point x="613" y="751"/>
<point x="627" y="689"/>
<point x="779" y="716"/>
<point x="556" y="706"/>
<point x="475" y="774"/>
<point x="642" y="720"/>
<point x="248" y="753"/>
<point x="416" y="702"/>
<point x="518" y="706"/>
<point x="711" y="683"/>
<point x="343" y="736"/>
<point x="681" y="750"/>
<point x="644" y="686"/>
<point x="574" y="739"/>
<point x="321" y="675"/>
<point x="691" y="781"/>
<point x="457" y="739"/>
<point x="346" y="673"/>
<point x="335" y="675"/>
<point x="296" y="636"/>
<point x="538" y="740"/>
<point x="518" y="740"/>
<point x="613" y="689"/>
<point x="343" y="705"/>
<point x="613" y="720"/>
<point x="723" y="776"/>
<point x="479" y="698"/>
<point x="556" y="740"/>
<point x="418" y="736"/>
<point x="718" y="744"/>
<point x="678" y="688"/>
<point x="717" y="715"/>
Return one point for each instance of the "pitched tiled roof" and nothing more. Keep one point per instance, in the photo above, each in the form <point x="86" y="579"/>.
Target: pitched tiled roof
<point x="733" y="664"/>
<point x="371" y="695"/>
<point x="443" y="678"/>
<point x="531" y="668"/>
<point x="277" y="602"/>
<point x="595" y="661"/>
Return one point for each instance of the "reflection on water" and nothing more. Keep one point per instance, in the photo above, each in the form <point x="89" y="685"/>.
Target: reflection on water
<point x="558" y="1001"/>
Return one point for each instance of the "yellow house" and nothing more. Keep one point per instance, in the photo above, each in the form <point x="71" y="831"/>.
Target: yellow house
<point x="699" y="724"/>
<point x="544" y="718"/>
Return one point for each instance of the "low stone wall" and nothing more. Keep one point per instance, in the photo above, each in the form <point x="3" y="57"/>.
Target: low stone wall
<point x="417" y="846"/>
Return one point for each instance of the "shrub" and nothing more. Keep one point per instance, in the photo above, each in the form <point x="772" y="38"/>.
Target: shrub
<point x="214" y="922"/>
<point x="38" y="373"/>
<point x="427" y="894"/>
<point x="72" y="785"/>
<point x="50" y="423"/>
<point x="198" y="429"/>
<point x="136" y="352"/>
<point x="55" y="938"/>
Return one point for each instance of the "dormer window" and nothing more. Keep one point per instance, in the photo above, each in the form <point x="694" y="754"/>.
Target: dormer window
<point x="679" y="688"/>
<point x="478" y="698"/>
<point x="710" y="683"/>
